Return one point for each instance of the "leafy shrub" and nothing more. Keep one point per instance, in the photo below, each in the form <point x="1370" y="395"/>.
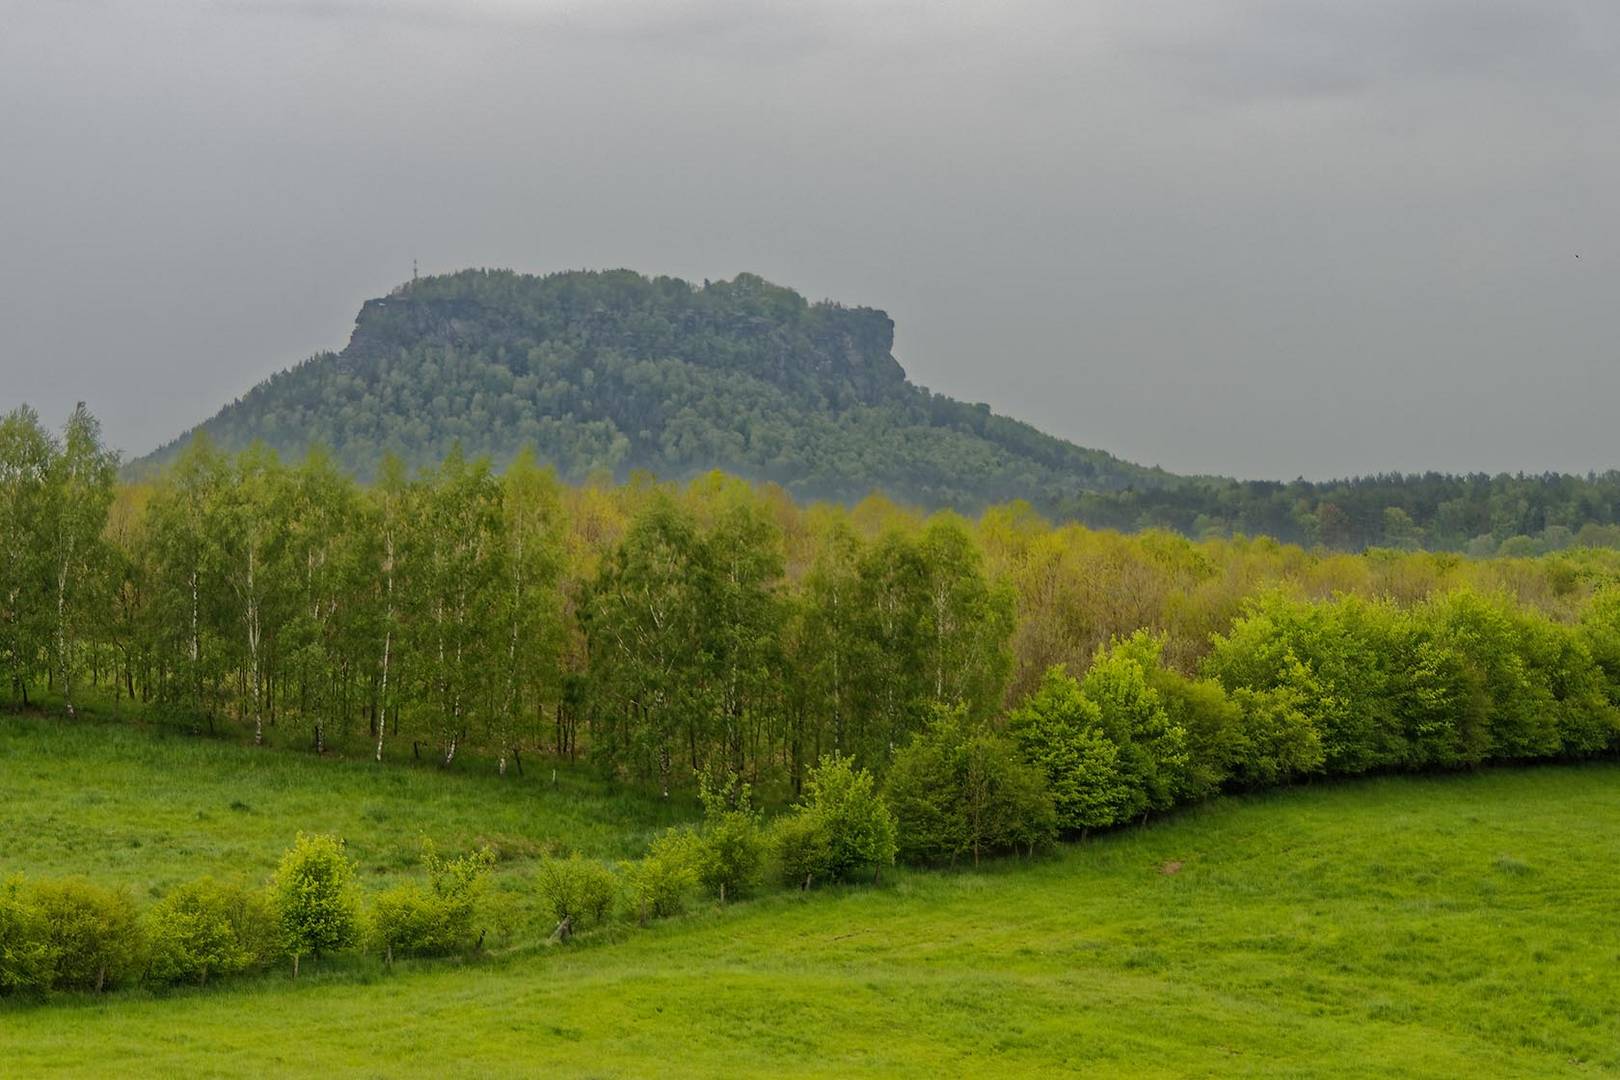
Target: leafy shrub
<point x="799" y="844"/>
<point x="93" y="937"/>
<point x="844" y="825"/>
<point x="1059" y="731"/>
<point x="578" y="890"/>
<point x="437" y="920"/>
<point x="316" y="900"/>
<point x="206" y="928"/>
<point x="25" y="952"/>
<point x="403" y="919"/>
<point x="730" y="851"/>
<point x="1279" y="741"/>
<point x="1152" y="748"/>
<point x="957" y="789"/>
<point x="659" y="882"/>
<point x="458" y="885"/>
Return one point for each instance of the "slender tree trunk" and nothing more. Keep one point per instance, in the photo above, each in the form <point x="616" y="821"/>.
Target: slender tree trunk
<point x="253" y="648"/>
<point x="196" y="651"/>
<point x="61" y="628"/>
<point x="388" y="638"/>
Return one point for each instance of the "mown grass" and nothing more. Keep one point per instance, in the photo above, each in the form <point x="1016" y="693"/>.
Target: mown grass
<point x="1445" y="926"/>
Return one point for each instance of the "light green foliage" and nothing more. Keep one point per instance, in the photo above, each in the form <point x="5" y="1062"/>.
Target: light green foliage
<point x="925" y="628"/>
<point x="958" y="789"/>
<point x="439" y="919"/>
<point x="578" y="889"/>
<point x="643" y="623"/>
<point x="1278" y="742"/>
<point x="1060" y="731"/>
<point x="316" y="898"/>
<point x="854" y="829"/>
<point x="799" y="848"/>
<point x="405" y="919"/>
<point x="54" y="495"/>
<point x="659" y="883"/>
<point x="1456" y="680"/>
<point x="1600" y="628"/>
<point x="205" y="928"/>
<point x="93" y="935"/>
<point x="25" y="951"/>
<point x="1153" y="764"/>
<point x="1340" y="659"/>
<point x="731" y="848"/>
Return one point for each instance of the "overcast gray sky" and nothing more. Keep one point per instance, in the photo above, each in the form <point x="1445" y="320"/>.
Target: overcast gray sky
<point x="1255" y="237"/>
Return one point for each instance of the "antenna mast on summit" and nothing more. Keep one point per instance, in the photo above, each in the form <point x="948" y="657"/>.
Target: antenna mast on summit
<point x="413" y="268"/>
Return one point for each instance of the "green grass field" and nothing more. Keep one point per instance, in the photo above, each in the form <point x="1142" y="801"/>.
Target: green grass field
<point x="148" y="808"/>
<point x="1446" y="926"/>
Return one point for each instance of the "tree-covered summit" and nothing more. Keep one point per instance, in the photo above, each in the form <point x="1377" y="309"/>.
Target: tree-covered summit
<point x="616" y="371"/>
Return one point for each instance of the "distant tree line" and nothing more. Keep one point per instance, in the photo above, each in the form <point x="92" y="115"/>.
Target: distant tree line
<point x="1478" y="514"/>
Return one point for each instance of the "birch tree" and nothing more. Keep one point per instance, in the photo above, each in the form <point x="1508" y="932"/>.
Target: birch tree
<point x="531" y="610"/>
<point x="26" y="461"/>
<point x="82" y="478"/>
<point x="184" y="564"/>
<point x="455" y="555"/>
<point x="390" y="502"/>
<point x="248" y="533"/>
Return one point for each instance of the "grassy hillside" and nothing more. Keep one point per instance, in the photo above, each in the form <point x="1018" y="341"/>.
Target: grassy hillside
<point x="1389" y="927"/>
<point x="148" y="808"/>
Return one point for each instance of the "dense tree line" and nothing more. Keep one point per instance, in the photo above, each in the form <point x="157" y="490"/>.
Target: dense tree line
<point x="1478" y="513"/>
<point x="664" y="632"/>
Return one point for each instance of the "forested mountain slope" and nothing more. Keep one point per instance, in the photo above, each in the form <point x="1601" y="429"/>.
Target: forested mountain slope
<point x="617" y="371"/>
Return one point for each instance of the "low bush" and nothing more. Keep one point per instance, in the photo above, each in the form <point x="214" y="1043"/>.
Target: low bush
<point x="436" y="920"/>
<point x="658" y="883"/>
<point x="730" y="850"/>
<point x="93" y="937"/>
<point x="577" y="891"/>
<point x="841" y="827"/>
<point x="798" y="844"/>
<point x="25" y="952"/>
<point x="958" y="789"/>
<point x="205" y="928"/>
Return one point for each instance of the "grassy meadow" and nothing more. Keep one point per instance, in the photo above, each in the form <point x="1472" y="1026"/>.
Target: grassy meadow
<point x="1399" y="926"/>
<point x="149" y="807"/>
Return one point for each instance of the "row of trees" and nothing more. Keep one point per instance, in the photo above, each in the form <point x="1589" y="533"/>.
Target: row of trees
<point x="1479" y="514"/>
<point x="666" y="633"/>
<point x="1339" y="688"/>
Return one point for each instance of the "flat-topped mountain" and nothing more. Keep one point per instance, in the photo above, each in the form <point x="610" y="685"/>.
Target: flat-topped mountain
<point x="617" y="371"/>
